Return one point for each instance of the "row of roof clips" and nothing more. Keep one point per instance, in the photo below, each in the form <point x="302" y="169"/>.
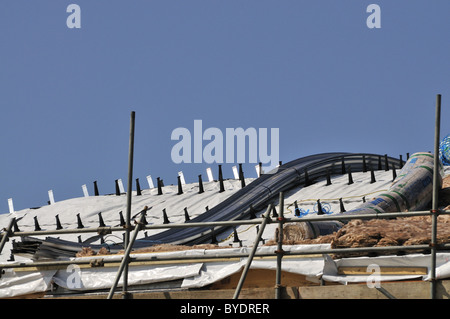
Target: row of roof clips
<point x="240" y="175"/>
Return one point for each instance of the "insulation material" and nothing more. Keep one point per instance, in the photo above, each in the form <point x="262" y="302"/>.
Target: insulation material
<point x="399" y="232"/>
<point x="88" y="251"/>
<point x="410" y="191"/>
<point x="18" y="283"/>
<point x="415" y="182"/>
<point x="402" y="231"/>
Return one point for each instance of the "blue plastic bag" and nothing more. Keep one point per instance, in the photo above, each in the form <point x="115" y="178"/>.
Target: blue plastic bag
<point x="444" y="150"/>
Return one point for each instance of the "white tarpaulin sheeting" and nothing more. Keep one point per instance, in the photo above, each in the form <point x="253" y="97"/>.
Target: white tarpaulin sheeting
<point x="195" y="274"/>
<point x="103" y="278"/>
<point x="303" y="265"/>
<point x="442" y="266"/>
<point x="19" y="283"/>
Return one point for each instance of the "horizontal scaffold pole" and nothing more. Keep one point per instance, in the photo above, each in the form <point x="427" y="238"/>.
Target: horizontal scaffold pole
<point x="139" y="258"/>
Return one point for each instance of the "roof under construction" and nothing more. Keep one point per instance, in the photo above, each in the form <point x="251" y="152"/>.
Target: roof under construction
<point x="316" y="190"/>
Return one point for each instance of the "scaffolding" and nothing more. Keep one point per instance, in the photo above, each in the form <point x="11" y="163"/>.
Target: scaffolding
<point x="263" y="221"/>
<point x="133" y="230"/>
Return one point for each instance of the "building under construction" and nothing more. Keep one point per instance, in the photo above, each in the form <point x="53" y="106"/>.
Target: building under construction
<point x="331" y="225"/>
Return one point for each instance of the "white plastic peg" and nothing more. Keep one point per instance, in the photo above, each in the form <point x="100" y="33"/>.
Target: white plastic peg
<point x="121" y="189"/>
<point x="210" y="175"/>
<point x="85" y="190"/>
<point x="11" y="205"/>
<point x="235" y="172"/>
<point x="258" y="173"/>
<point x="150" y="182"/>
<point x="50" y="197"/>
<point x="183" y="181"/>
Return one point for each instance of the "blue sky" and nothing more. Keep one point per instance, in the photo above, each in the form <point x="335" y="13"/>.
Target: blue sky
<point x="313" y="69"/>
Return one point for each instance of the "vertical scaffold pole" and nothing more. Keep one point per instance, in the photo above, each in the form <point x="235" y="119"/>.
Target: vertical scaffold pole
<point x="434" y="208"/>
<point x="279" y="250"/>
<point x="129" y="192"/>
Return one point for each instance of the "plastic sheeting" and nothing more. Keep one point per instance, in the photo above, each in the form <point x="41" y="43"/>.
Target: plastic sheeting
<point x="303" y="265"/>
<point x="442" y="267"/>
<point x="444" y="150"/>
<point x="13" y="284"/>
<point x="194" y="274"/>
<point x="103" y="278"/>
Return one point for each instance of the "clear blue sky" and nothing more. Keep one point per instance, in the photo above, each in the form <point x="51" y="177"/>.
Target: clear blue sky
<point x="313" y="69"/>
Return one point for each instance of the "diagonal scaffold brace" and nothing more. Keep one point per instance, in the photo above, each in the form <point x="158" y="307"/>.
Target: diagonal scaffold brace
<point x="266" y="219"/>
<point x="126" y="257"/>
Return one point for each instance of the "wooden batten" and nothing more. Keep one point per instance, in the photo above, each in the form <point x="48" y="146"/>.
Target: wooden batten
<point x="361" y="270"/>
